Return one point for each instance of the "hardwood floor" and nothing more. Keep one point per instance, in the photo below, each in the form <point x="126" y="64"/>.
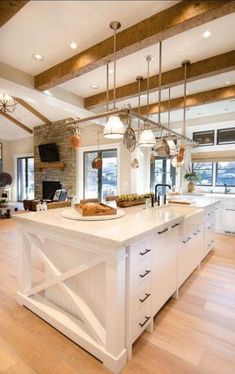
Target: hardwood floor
<point x="195" y="334"/>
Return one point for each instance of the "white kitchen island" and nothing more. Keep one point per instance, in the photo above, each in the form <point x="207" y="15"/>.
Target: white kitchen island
<point x="101" y="283"/>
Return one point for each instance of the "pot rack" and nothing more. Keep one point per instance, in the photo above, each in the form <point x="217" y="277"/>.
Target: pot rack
<point x="130" y="113"/>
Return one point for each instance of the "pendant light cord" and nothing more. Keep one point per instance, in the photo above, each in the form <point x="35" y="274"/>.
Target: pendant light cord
<point x="107" y="87"/>
<point x="185" y="87"/>
<point x="169" y="107"/>
<point x="185" y="65"/>
<point x="114" y="67"/>
<point x="160" y="82"/>
<point x="148" y="62"/>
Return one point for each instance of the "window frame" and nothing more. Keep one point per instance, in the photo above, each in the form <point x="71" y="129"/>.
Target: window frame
<point x="80" y="165"/>
<point x="204" y="132"/>
<point x="26" y="168"/>
<point x="216" y="173"/>
<point x="217" y="137"/>
<point x="212" y="176"/>
<point x="152" y="172"/>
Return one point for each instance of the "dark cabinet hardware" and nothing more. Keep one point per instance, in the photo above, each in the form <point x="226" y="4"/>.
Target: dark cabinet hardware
<point x="177" y="224"/>
<point x="146" y="320"/>
<point x="146" y="273"/>
<point x="145" y="252"/>
<point x="145" y="298"/>
<point x="186" y="240"/>
<point x="162" y="232"/>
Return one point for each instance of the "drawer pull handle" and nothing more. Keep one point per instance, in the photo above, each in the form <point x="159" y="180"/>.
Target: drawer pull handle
<point x="146" y="320"/>
<point x="162" y="232"/>
<point x="176" y="224"/>
<point x="145" y="252"/>
<point x="146" y="273"/>
<point x="186" y="240"/>
<point x="232" y="210"/>
<point x="145" y="298"/>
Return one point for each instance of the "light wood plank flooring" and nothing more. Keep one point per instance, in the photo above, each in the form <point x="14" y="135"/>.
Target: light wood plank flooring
<point x="195" y="334"/>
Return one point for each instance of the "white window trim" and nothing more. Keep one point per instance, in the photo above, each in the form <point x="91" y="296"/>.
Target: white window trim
<point x="80" y="160"/>
<point x="15" y="181"/>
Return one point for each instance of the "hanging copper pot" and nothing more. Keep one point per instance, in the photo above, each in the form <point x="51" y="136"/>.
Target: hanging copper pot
<point x="97" y="163"/>
<point x="75" y="140"/>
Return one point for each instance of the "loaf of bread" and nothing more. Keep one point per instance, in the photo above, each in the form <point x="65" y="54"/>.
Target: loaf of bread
<point x="94" y="208"/>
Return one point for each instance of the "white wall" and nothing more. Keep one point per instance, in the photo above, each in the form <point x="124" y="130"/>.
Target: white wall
<point x="11" y="150"/>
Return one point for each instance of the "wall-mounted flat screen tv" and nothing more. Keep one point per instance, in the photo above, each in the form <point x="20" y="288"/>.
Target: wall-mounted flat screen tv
<point x="48" y="152"/>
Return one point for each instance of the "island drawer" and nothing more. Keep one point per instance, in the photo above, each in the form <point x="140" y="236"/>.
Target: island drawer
<point x="141" y="252"/>
<point x="141" y="320"/>
<point x="142" y="272"/>
<point x="142" y="295"/>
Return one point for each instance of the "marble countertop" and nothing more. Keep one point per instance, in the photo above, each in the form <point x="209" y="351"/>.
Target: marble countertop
<point x="135" y="225"/>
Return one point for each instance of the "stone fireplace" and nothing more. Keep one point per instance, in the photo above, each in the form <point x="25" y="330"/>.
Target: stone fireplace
<point x="59" y="133"/>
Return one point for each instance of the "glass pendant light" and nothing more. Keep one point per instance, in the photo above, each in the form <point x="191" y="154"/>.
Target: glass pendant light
<point x="147" y="138"/>
<point x="114" y="128"/>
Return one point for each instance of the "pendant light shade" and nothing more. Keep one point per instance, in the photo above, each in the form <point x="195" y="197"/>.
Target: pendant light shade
<point x="147" y="139"/>
<point x="114" y="128"/>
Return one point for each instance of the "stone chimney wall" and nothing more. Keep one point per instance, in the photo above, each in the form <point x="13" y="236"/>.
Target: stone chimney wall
<point x="59" y="133"/>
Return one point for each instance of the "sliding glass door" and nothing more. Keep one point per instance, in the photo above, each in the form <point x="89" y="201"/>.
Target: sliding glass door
<point x="25" y="178"/>
<point x="102" y="182"/>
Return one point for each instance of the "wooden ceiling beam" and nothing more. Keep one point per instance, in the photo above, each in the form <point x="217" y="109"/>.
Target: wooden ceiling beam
<point x="27" y="106"/>
<point x="179" y="18"/>
<point x="198" y="70"/>
<point x="16" y="122"/>
<point x="9" y="8"/>
<point x="200" y="98"/>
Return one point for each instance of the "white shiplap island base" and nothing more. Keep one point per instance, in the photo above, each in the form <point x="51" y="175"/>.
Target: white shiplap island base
<point x="103" y="282"/>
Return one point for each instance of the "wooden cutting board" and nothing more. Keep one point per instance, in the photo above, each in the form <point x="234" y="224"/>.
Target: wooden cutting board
<point x="182" y="202"/>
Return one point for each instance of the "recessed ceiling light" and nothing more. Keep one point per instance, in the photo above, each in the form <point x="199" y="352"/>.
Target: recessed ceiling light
<point x="206" y="34"/>
<point x="37" y="57"/>
<point x="73" y="45"/>
<point x="94" y="87"/>
<point x="227" y="82"/>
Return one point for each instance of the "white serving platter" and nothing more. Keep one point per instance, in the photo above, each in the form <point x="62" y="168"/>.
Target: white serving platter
<point x="72" y="213"/>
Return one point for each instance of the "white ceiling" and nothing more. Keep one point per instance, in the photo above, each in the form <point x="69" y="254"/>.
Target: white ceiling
<point x="48" y="28"/>
<point x="188" y="45"/>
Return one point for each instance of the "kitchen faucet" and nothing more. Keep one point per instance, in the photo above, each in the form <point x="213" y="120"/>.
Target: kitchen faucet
<point x="157" y="198"/>
<point x="226" y="189"/>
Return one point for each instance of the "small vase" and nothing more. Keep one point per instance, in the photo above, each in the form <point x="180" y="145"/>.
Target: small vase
<point x="191" y="186"/>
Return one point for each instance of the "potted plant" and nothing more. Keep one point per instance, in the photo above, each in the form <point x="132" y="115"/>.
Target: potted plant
<point x="191" y="177"/>
<point x="3" y="201"/>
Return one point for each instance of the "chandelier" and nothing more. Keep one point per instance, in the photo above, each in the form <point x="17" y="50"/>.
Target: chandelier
<point x="7" y="104"/>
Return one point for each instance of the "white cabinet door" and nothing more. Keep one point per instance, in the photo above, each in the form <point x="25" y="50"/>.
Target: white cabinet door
<point x="164" y="267"/>
<point x="190" y="253"/>
<point x="229" y="220"/>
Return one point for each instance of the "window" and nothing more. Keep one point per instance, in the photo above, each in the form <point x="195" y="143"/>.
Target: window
<point x="25" y="178"/>
<point x="102" y="182"/>
<point x="225" y="173"/>
<point x="205" y="171"/>
<point x="204" y="138"/>
<point x="226" y="136"/>
<point x="161" y="172"/>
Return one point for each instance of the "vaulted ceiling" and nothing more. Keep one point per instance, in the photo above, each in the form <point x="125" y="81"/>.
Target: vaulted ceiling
<point x="48" y="28"/>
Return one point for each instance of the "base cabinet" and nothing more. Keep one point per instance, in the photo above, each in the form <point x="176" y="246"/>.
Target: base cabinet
<point x="164" y="267"/>
<point x="190" y="253"/>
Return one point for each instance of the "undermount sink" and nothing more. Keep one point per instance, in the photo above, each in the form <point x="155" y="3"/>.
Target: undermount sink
<point x="187" y="211"/>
